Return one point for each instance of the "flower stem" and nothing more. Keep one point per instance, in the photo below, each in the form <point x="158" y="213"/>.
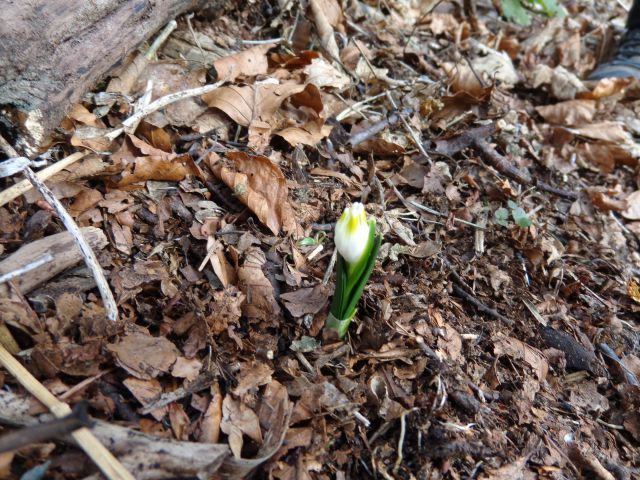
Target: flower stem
<point x="340" y="326"/>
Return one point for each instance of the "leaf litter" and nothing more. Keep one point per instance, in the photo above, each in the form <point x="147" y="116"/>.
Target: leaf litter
<point x="498" y="336"/>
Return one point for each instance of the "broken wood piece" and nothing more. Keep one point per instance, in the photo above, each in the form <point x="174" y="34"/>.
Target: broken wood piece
<point x="54" y="52"/>
<point x="24" y="186"/>
<point x="108" y="464"/>
<point x="32" y="265"/>
<point x="60" y="246"/>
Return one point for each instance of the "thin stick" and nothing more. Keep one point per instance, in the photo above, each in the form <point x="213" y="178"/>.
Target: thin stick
<point x="161" y="103"/>
<point x="160" y="39"/>
<point x="46" y="431"/>
<point x="24" y="186"/>
<point x="415" y="206"/>
<point x="38" y="262"/>
<point x="412" y="134"/>
<point x="481" y="307"/>
<point x="108" y="464"/>
<point x="354" y="108"/>
<point x="403" y="430"/>
<point x="89" y="257"/>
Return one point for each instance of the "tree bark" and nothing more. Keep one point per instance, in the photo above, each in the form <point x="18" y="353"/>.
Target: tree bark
<point x="54" y="51"/>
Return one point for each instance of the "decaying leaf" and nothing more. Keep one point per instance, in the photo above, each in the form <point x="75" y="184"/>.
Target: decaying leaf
<point x="515" y="348"/>
<point x="143" y="355"/>
<point x="260" y="303"/>
<point x="248" y="63"/>
<point x="260" y="185"/>
<point x="238" y="419"/>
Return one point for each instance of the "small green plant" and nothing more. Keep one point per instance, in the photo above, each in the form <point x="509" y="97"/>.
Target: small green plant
<point x="518" y="214"/>
<point x="519" y="11"/>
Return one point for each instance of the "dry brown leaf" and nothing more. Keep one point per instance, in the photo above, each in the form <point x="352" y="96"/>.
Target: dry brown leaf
<point x="260" y="185"/>
<point x="186" y="368"/>
<point x="510" y="471"/>
<point x="179" y="421"/>
<point x="608" y="87"/>
<point x="463" y="80"/>
<point x="570" y="113"/>
<point x="305" y="300"/>
<point x="244" y="104"/>
<point x="238" y="419"/>
<point x="146" y="391"/>
<point x="515" y="348"/>
<point x="252" y="375"/>
<point x="122" y="237"/>
<point x="143" y="355"/>
<point x="323" y="172"/>
<point x="221" y="266"/>
<point x="84" y="200"/>
<point x="210" y="425"/>
<point x="605" y="155"/>
<point x="247" y="63"/>
<point x="260" y="300"/>
<point x="322" y="74"/>
<point x="608" y="131"/>
<point x="632" y="212"/>
<point x="322" y="19"/>
<point x="564" y="85"/>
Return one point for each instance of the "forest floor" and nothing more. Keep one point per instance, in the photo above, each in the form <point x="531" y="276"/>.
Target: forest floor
<point x="498" y="337"/>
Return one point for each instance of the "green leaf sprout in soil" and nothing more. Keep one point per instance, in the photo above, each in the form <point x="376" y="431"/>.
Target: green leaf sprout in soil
<point x="358" y="244"/>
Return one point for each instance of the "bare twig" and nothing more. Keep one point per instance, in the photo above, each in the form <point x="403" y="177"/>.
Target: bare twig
<point x="111" y="468"/>
<point x="479" y="305"/>
<point x="415" y="206"/>
<point x="367" y="133"/>
<point x="356" y="106"/>
<point x="205" y="380"/>
<point x="161" y="103"/>
<point x="412" y="134"/>
<point x="89" y="257"/>
<point x="53" y="430"/>
<point x="38" y="262"/>
<point x="24" y="186"/>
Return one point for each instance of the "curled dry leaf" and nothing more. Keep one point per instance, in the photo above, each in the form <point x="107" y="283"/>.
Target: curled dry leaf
<point x="156" y="164"/>
<point x="143" y="355"/>
<point x="146" y="391"/>
<point x="322" y="74"/>
<point x="245" y="104"/>
<point x="260" y="185"/>
<point x="632" y="212"/>
<point x="570" y="113"/>
<point x="260" y="300"/>
<point x="324" y="28"/>
<point x="238" y="419"/>
<point x="608" y="131"/>
<point x="247" y="63"/>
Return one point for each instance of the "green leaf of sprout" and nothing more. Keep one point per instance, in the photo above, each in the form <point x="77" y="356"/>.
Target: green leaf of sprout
<point x="502" y="216"/>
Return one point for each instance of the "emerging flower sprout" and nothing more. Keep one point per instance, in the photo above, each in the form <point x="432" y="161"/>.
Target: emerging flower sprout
<point x="357" y="244"/>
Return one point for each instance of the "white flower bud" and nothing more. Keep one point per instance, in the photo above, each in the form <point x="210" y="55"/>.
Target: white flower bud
<point x="352" y="233"/>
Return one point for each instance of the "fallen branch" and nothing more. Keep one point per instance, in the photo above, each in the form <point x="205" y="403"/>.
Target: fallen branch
<point x="108" y="464"/>
<point x="459" y="291"/>
<point x="60" y="246"/>
<point x="47" y="431"/>
<point x="89" y="257"/>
